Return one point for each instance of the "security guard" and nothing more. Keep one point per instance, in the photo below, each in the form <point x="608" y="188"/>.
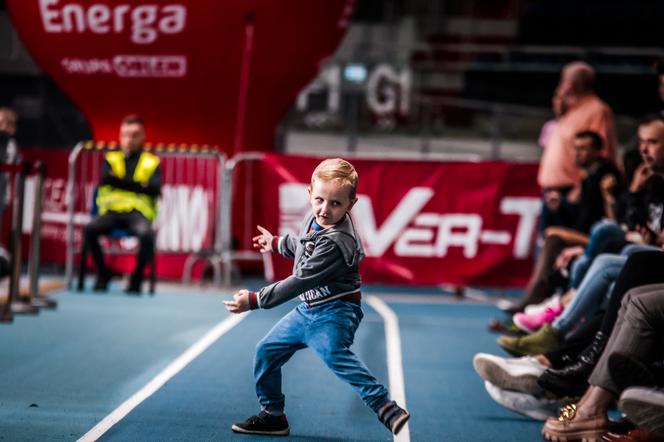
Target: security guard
<point x="127" y="199"/>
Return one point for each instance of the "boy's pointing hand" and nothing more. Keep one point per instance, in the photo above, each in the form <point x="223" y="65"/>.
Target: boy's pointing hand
<point x="264" y="240"/>
<point x="240" y="302"/>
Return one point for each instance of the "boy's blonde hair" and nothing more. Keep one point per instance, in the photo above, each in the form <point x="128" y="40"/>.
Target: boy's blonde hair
<point x="339" y="170"/>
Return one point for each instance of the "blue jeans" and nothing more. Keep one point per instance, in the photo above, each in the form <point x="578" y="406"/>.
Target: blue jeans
<point x="594" y="290"/>
<point x="591" y="293"/>
<point x="600" y="233"/>
<point x="329" y="330"/>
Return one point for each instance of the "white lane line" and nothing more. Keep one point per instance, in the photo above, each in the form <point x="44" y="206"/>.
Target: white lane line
<point x="394" y="358"/>
<point x="158" y="381"/>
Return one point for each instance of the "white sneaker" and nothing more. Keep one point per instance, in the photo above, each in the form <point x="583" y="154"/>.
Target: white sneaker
<point x="526" y="404"/>
<point x="517" y="374"/>
<point x="645" y="407"/>
<point x="534" y="309"/>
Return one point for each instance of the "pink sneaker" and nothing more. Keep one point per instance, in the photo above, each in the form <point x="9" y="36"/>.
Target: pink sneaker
<point x="532" y="323"/>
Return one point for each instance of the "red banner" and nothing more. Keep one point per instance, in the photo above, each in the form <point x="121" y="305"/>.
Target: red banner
<point x="422" y="223"/>
<point x="219" y="72"/>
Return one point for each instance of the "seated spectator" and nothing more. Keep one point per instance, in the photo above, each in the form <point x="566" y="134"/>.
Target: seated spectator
<point x="591" y="208"/>
<point x="127" y="199"/>
<point x="584" y="111"/>
<point x="563" y="372"/>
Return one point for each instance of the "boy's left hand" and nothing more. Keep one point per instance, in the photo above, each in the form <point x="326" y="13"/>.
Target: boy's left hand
<point x="240" y="302"/>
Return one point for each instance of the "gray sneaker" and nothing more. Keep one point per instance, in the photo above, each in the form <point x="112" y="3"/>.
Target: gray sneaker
<point x="517" y="374"/>
<point x="525" y="404"/>
<point x="645" y="407"/>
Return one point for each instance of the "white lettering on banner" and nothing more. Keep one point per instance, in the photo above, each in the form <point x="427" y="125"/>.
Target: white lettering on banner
<point x="183" y="218"/>
<point x="132" y="66"/>
<point x="150" y="65"/>
<point x="143" y="22"/>
<point x="378" y="240"/>
<point x="528" y="209"/>
<point x="416" y="234"/>
<point x="388" y="91"/>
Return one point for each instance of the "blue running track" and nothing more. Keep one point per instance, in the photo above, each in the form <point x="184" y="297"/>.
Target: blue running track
<point x="63" y="371"/>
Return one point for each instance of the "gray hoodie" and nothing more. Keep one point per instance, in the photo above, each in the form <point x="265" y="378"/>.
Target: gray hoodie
<point x="325" y="268"/>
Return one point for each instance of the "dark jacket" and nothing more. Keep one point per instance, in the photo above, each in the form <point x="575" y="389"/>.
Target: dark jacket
<point x="646" y="207"/>
<point x="325" y="268"/>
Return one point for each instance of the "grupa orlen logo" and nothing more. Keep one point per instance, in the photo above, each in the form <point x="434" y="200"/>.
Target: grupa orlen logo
<point x="410" y="231"/>
<point x="142" y="23"/>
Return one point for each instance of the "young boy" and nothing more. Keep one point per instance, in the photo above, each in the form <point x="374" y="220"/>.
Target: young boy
<point x="326" y="278"/>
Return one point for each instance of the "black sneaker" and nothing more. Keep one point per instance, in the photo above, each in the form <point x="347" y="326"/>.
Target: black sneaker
<point x="134" y="286"/>
<point x="103" y="278"/>
<point x="264" y="423"/>
<point x="393" y="416"/>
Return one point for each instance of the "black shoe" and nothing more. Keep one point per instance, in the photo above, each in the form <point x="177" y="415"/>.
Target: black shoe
<point x="103" y="278"/>
<point x="264" y="423"/>
<point x="572" y="381"/>
<point x="134" y="287"/>
<point x="393" y="416"/>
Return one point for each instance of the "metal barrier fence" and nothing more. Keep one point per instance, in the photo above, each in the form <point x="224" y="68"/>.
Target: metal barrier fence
<point x="32" y="301"/>
<point x="189" y="172"/>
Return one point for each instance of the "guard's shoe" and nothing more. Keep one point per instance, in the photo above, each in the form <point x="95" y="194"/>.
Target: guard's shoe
<point x="393" y="416"/>
<point x="264" y="423"/>
<point x="135" y="283"/>
<point x="517" y="374"/>
<point x="103" y="278"/>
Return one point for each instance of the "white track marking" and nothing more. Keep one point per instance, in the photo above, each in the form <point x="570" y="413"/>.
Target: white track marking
<point x="158" y="381"/>
<point x="394" y="359"/>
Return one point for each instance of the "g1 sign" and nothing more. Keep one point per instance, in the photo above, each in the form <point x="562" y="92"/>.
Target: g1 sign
<point x="198" y="71"/>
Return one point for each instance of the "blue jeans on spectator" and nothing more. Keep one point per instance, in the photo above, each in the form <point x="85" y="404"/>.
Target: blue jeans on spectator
<point x="329" y="330"/>
<point x="594" y="290"/>
<point x="600" y="233"/>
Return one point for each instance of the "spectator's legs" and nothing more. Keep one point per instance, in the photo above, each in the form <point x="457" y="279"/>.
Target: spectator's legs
<point x="592" y="291"/>
<point x="601" y="234"/>
<point x="639" y="332"/>
<point x="141" y="227"/>
<point x="541" y="285"/>
<point x="100" y="225"/>
<point x="641" y="268"/>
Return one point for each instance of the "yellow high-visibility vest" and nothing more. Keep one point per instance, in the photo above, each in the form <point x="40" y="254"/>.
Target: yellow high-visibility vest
<point x="112" y="199"/>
